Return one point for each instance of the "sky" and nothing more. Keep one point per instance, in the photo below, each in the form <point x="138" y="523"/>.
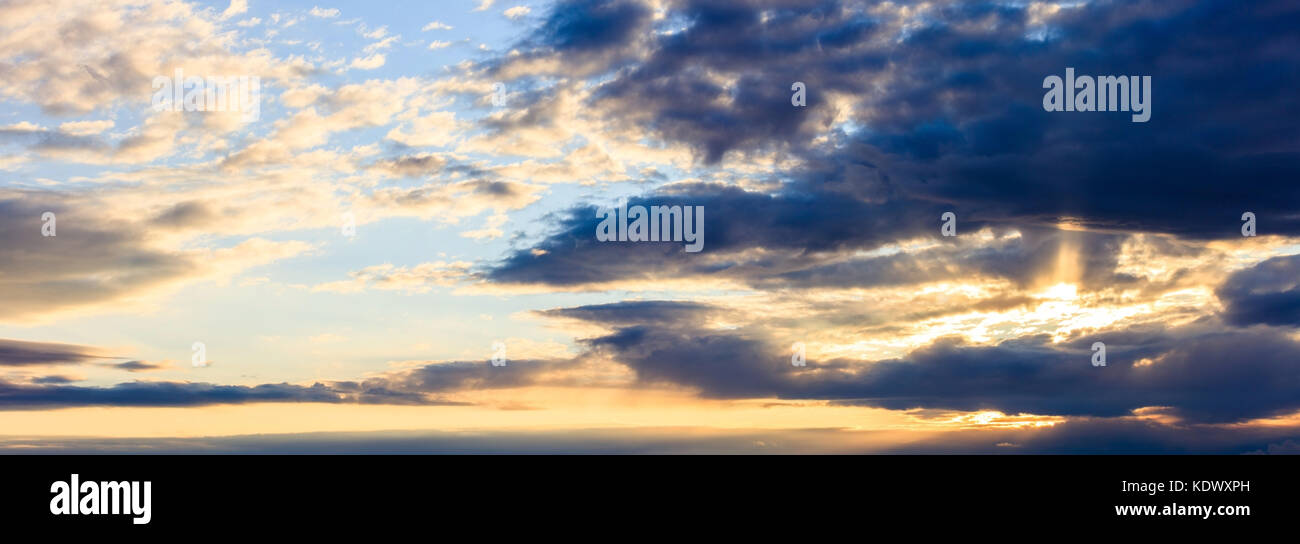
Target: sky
<point x="393" y="244"/>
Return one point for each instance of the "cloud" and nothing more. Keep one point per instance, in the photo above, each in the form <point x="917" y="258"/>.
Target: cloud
<point x="821" y="221"/>
<point x="82" y="141"/>
<point x="1006" y="256"/>
<point x="413" y="166"/>
<point x="415" y="386"/>
<point x="53" y="379"/>
<point x="324" y="13"/>
<point x="952" y="98"/>
<point x="23" y="353"/>
<point x="517" y="12"/>
<point x="56" y="55"/>
<point x="417" y="279"/>
<point x="93" y="263"/>
<point x="491" y="228"/>
<point x="1105" y="436"/>
<point x="140" y="366"/>
<point x="385" y="43"/>
<point x="735" y="221"/>
<point x="237" y="7"/>
<point x="84" y="263"/>
<point x="451" y="202"/>
<point x="25" y="397"/>
<point x="368" y="63"/>
<point x="640" y="312"/>
<point x="1094" y="436"/>
<point x="579" y="38"/>
<point x="1199" y="373"/>
<point x="446" y="377"/>
<point x="85" y="128"/>
<point x="1267" y="293"/>
<point x="434" y="129"/>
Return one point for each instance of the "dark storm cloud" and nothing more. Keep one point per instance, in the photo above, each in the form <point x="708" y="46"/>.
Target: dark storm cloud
<point x="734" y="220"/>
<point x="950" y="119"/>
<point x="1198" y="373"/>
<point x="800" y="231"/>
<point x="1218" y="143"/>
<point x="674" y="91"/>
<point x="1202" y="377"/>
<point x="950" y="109"/>
<point x="582" y="25"/>
<point x="1267" y="293"/>
<point x="592" y="36"/>
<point x="1019" y="260"/>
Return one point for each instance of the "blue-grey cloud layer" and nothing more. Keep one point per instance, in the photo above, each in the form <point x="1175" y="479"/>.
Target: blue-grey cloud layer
<point x="418" y="386"/>
<point x="1091" y="436"/>
<point x="1201" y="372"/>
<point x="951" y="120"/>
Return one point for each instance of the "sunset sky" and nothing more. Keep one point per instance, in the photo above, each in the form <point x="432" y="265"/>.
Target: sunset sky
<point x="422" y="180"/>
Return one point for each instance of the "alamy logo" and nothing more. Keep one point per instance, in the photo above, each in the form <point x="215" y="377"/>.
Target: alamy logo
<point x="659" y="224"/>
<point x="95" y="498"/>
<point x="241" y="94"/>
<point x="1103" y="93"/>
